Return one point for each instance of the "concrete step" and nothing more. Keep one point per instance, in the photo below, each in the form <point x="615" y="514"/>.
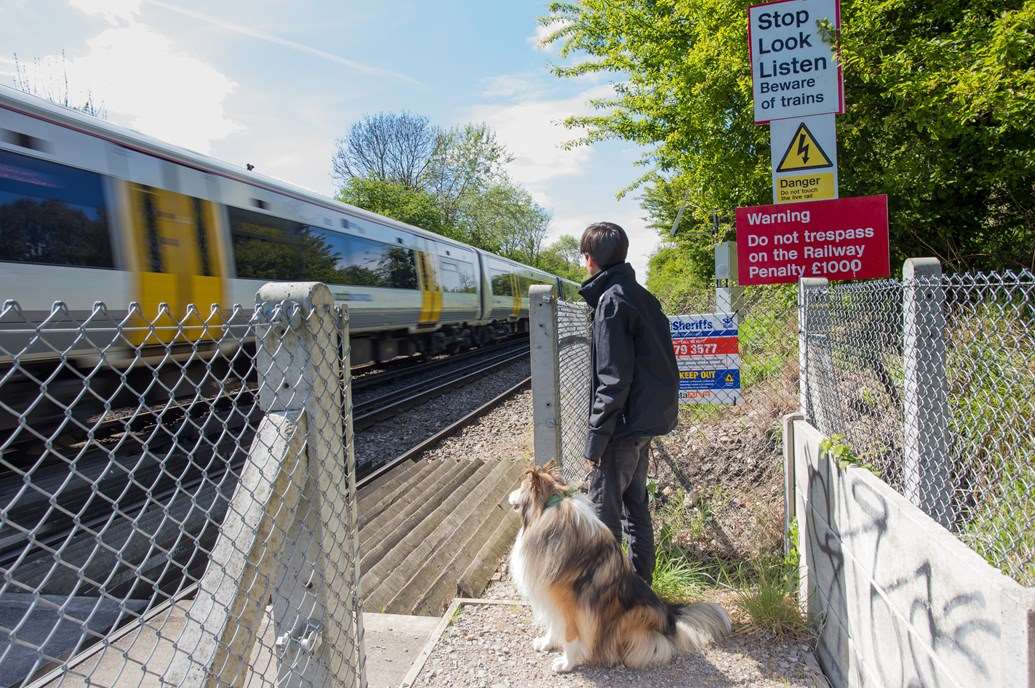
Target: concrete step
<point x="395" y="567"/>
<point x="413" y="495"/>
<point x="375" y="500"/>
<point x="434" y="584"/>
<point x="393" y="477"/>
<point x="474" y="579"/>
<point x="413" y="514"/>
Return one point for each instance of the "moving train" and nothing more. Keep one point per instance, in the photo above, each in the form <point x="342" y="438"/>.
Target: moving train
<point x="91" y="212"/>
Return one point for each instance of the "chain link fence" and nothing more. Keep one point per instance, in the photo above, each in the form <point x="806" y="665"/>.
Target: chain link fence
<point x="717" y="479"/>
<point x="177" y="496"/>
<point x="929" y="383"/>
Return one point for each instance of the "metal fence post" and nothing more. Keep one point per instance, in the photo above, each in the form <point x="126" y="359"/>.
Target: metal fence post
<point x="727" y="291"/>
<point x="927" y="474"/>
<point x="810" y="322"/>
<point x="546" y="375"/>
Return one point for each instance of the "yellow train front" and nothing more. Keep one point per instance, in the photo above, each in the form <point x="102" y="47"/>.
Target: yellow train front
<point x="93" y="212"/>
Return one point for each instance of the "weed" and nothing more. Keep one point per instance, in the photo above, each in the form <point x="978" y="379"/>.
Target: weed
<point x="676" y="578"/>
<point x="838" y="449"/>
<point x="770" y="602"/>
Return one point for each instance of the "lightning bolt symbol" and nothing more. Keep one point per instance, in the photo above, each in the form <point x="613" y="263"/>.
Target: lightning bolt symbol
<point x="803" y="148"/>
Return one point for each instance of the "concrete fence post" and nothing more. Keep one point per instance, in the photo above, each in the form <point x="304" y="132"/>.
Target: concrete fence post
<point x="546" y="374"/>
<point x="927" y="474"/>
<point x="812" y="323"/>
<point x="289" y="532"/>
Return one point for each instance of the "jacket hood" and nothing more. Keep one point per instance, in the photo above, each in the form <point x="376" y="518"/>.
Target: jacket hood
<point x="594" y="287"/>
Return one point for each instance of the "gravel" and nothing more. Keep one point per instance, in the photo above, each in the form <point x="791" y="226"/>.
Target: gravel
<point x="390" y="438"/>
<point x="490" y="646"/>
<point x="503" y="432"/>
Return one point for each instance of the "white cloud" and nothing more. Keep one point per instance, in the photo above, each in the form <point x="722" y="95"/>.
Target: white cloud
<point x="534" y="132"/>
<point x="540" y="34"/>
<point x="256" y="34"/>
<point x="113" y="11"/>
<point x="506" y="86"/>
<point x="144" y="80"/>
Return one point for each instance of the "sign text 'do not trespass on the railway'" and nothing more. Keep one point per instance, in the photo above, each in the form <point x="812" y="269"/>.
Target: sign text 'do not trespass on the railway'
<point x="794" y="67"/>
<point x="842" y="239"/>
<point x="708" y="356"/>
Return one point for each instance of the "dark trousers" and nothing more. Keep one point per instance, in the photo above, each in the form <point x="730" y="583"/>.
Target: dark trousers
<point x="619" y="484"/>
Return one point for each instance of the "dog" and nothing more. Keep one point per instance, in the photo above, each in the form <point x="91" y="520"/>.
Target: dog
<point x="582" y="588"/>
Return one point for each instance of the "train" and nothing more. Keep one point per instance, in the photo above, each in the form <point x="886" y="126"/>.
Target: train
<point x="91" y="211"/>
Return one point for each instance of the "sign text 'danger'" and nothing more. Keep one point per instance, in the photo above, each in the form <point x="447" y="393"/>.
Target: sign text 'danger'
<point x="840" y="239"/>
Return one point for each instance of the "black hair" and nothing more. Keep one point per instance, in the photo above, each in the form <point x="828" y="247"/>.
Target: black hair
<point x="606" y="243"/>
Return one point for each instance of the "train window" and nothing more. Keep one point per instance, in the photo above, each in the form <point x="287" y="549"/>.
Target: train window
<point x="52" y="214"/>
<point x="457" y="276"/>
<point x="265" y="247"/>
<point x="502" y="285"/>
<point x="338" y="258"/>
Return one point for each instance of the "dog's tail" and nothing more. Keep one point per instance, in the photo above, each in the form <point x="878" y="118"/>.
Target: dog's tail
<point x="700" y="624"/>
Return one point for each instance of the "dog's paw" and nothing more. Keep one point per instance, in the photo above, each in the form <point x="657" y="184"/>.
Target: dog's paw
<point x="542" y="644"/>
<point x="561" y="665"/>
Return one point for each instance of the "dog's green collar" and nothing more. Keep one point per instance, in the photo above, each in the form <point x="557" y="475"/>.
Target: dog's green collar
<point x="557" y="497"/>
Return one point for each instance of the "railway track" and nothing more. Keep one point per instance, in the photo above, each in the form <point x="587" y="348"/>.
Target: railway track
<point x="137" y="498"/>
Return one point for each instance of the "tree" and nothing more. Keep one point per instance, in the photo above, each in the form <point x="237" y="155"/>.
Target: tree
<point x="941" y="100"/>
<point x="452" y="182"/>
<point x="466" y="160"/>
<point x="396" y="200"/>
<point x="387" y="147"/>
<point x="38" y="80"/>
<point x="563" y="257"/>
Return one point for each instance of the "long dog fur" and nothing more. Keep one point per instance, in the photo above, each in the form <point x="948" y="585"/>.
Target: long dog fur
<point x="567" y="563"/>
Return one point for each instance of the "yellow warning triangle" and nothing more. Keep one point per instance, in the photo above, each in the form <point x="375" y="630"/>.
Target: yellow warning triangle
<point x="803" y="153"/>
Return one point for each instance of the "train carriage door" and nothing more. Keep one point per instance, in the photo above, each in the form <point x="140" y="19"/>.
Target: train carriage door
<point x="177" y="261"/>
<point x="430" y="290"/>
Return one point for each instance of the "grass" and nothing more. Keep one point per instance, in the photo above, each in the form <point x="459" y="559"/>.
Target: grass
<point x="676" y="578"/>
<point x="765" y="589"/>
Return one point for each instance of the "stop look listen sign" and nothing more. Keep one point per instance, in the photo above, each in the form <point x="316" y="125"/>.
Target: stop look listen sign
<point x="794" y="70"/>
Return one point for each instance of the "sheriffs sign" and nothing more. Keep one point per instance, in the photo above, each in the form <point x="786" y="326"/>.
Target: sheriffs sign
<point x="794" y="67"/>
<point x="708" y="356"/>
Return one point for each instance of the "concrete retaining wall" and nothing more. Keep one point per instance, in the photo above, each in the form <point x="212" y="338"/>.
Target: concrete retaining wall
<point x="899" y="600"/>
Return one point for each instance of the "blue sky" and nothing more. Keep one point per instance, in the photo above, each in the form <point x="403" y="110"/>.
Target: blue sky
<point x="275" y="82"/>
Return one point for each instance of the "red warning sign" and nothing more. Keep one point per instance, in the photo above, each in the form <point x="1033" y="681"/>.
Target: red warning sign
<point x="841" y="239"/>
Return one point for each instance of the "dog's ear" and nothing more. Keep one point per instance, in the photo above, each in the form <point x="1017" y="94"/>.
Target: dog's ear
<point x="537" y="481"/>
<point x="551" y="466"/>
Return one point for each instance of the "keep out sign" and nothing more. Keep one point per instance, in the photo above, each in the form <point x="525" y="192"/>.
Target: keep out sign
<point x="841" y="239"/>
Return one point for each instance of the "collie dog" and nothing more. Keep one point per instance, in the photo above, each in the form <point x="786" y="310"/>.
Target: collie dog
<point x="583" y="590"/>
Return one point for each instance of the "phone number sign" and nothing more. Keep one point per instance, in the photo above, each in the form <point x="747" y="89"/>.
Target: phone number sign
<point x="708" y="355"/>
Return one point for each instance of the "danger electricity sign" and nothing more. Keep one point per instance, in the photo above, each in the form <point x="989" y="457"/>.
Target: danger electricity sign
<point x="794" y="68"/>
<point x="804" y="159"/>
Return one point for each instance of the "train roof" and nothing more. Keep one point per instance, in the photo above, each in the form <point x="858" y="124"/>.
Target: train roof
<point x="39" y="108"/>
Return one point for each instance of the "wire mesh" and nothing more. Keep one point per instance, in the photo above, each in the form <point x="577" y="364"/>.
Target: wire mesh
<point x="574" y="355"/>
<point x="930" y="384"/>
<point x="724" y="461"/>
<point x="166" y="509"/>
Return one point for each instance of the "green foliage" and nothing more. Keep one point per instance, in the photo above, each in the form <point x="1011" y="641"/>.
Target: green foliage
<point x="451" y="182"/>
<point x="771" y="601"/>
<point x="672" y="276"/>
<point x="676" y="578"/>
<point x="837" y="448"/>
<point x="940" y="104"/>
<point x="563" y="258"/>
<point x="395" y="200"/>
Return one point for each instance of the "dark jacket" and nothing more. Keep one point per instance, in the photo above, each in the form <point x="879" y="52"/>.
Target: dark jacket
<point x="635" y="378"/>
